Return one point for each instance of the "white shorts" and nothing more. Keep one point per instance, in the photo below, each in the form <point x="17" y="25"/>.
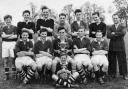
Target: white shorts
<point x="24" y="61"/>
<point x="82" y="59"/>
<point x="8" y="49"/>
<point x="99" y="60"/>
<point x="43" y="61"/>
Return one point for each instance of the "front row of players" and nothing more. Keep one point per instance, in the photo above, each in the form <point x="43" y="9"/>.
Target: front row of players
<point x="71" y="59"/>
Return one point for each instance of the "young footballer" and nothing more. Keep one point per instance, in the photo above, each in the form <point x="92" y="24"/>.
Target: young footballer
<point x="99" y="59"/>
<point x="65" y="72"/>
<point x="43" y="51"/>
<point x="9" y="38"/>
<point x="27" y="25"/>
<point x="82" y="50"/>
<point x="24" y="62"/>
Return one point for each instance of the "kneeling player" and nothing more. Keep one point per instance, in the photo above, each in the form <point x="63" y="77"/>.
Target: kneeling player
<point x="43" y="50"/>
<point x="25" y="65"/>
<point x="65" y="72"/>
<point x="99" y="59"/>
<point x="81" y="49"/>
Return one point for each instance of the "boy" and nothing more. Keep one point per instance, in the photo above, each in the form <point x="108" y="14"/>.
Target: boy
<point x="99" y="59"/>
<point x="65" y="72"/>
<point x="43" y="51"/>
<point x="82" y="50"/>
<point x="9" y="37"/>
<point x="24" y="62"/>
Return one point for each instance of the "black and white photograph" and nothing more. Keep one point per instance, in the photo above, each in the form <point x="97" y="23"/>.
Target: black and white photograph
<point x="63" y="44"/>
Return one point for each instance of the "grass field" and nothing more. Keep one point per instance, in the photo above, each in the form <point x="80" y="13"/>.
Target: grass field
<point x="117" y="83"/>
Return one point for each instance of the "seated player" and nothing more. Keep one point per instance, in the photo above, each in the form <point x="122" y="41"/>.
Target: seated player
<point x="65" y="72"/>
<point x="99" y="59"/>
<point x="82" y="48"/>
<point x="9" y="38"/>
<point x="24" y="62"/>
<point x="43" y="51"/>
<point x="62" y="44"/>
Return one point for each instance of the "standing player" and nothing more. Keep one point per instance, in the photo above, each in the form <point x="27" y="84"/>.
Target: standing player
<point x="78" y="23"/>
<point x="97" y="25"/>
<point x="82" y="50"/>
<point x="43" y="51"/>
<point x="99" y="59"/>
<point x="46" y="22"/>
<point x="65" y="72"/>
<point x="26" y="25"/>
<point x="24" y="62"/>
<point x="9" y="37"/>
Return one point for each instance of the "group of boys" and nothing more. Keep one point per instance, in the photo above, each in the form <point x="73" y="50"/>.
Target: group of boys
<point x="66" y="55"/>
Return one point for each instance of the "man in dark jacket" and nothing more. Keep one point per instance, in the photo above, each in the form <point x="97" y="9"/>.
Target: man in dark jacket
<point x="117" y="48"/>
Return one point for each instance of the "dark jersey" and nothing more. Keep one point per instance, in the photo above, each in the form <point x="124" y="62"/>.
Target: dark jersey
<point x="39" y="46"/>
<point x="29" y="25"/>
<point x="9" y="30"/>
<point x="46" y="23"/>
<point x="94" y="28"/>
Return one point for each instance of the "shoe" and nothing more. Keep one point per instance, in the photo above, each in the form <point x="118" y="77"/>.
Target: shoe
<point x="125" y="77"/>
<point x="85" y="81"/>
<point x="100" y="80"/>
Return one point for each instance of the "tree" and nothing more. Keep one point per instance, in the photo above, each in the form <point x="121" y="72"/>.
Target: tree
<point x="68" y="10"/>
<point x="122" y="7"/>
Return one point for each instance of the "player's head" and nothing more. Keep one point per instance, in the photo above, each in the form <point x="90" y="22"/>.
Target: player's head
<point x="115" y="18"/>
<point x="43" y="34"/>
<point x="26" y="15"/>
<point x="63" y="57"/>
<point x="8" y="19"/>
<point x="99" y="35"/>
<point x="96" y="16"/>
<point x="45" y="11"/>
<point x="81" y="32"/>
<point x="78" y="14"/>
<point x="62" y="32"/>
<point x="62" y="17"/>
<point x="25" y="35"/>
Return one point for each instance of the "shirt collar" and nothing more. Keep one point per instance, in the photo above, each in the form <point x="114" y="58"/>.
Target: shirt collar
<point x="26" y="41"/>
<point x="97" y="41"/>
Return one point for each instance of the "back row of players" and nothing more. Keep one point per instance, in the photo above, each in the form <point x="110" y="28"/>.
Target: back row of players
<point x="69" y="54"/>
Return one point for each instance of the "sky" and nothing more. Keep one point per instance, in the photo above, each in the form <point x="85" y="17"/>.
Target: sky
<point x="16" y="7"/>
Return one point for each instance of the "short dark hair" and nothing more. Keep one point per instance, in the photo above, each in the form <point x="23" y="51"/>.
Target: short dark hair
<point x="61" y="28"/>
<point x="44" y="7"/>
<point x="115" y="15"/>
<point x="62" y="14"/>
<point x="7" y="16"/>
<point x="77" y="11"/>
<point x="25" y="31"/>
<point x="43" y="30"/>
<point x="96" y="13"/>
<point x="26" y="11"/>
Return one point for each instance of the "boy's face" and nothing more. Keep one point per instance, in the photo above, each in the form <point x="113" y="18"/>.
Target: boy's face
<point x="26" y="16"/>
<point x="62" y="33"/>
<point x="62" y="19"/>
<point x="8" y="21"/>
<point x="98" y="36"/>
<point x="78" y="15"/>
<point x="96" y="18"/>
<point x="81" y="32"/>
<point x="63" y="59"/>
<point x="43" y="35"/>
<point x="25" y="36"/>
<point x="45" y="13"/>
